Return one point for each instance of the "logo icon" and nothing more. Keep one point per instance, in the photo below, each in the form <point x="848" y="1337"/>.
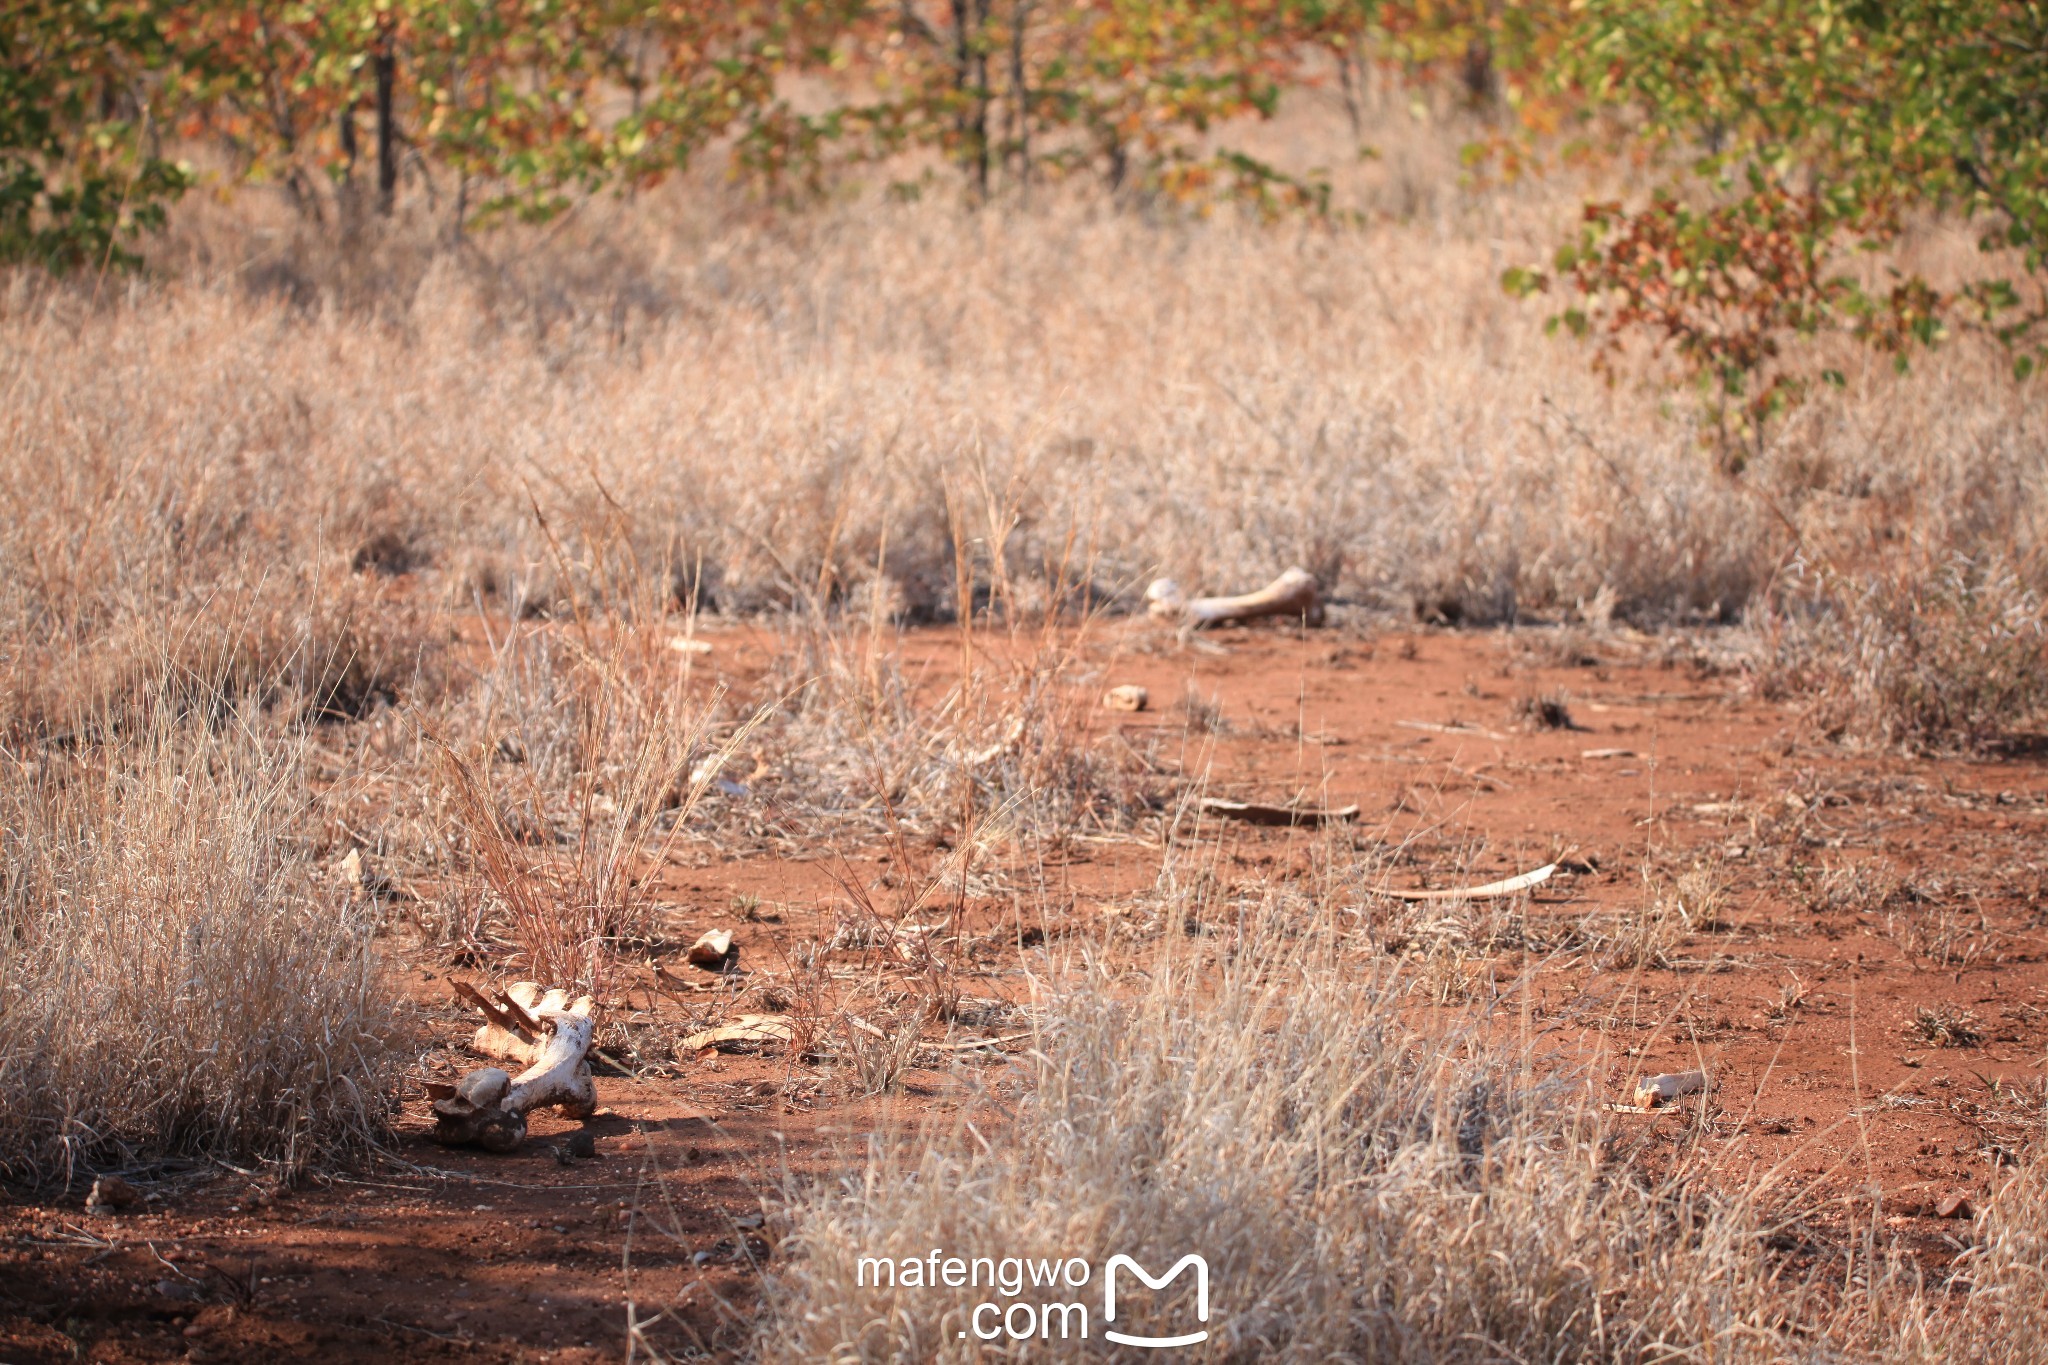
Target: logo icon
<point x="1201" y="1298"/>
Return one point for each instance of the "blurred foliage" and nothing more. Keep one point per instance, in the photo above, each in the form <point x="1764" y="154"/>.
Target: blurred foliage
<point x="1782" y="145"/>
<point x="1789" y="146"/>
<point x="81" y="170"/>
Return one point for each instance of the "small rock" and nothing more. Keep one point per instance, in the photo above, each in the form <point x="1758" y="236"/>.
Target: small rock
<point x="112" y="1194"/>
<point x="1955" y="1204"/>
<point x="582" y="1145"/>
<point x="1129" y="697"/>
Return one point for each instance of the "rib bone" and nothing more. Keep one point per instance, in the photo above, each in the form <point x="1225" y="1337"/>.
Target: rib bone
<point x="1293" y="593"/>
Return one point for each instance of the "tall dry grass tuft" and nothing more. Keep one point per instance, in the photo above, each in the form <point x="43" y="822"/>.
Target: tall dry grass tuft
<point x="580" y="758"/>
<point x="2007" y="1273"/>
<point x="1362" y="1187"/>
<point x="177" y="978"/>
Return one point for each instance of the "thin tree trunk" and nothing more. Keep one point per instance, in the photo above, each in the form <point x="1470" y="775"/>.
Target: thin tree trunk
<point x="386" y="65"/>
<point x="1347" y="62"/>
<point x="970" y="70"/>
<point x="1020" y="96"/>
<point x="981" y="99"/>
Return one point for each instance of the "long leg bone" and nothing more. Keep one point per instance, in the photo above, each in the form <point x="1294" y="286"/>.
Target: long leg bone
<point x="1293" y="593"/>
<point x="487" y="1108"/>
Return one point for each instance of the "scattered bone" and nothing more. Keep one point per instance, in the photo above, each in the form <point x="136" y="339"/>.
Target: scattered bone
<point x="1293" y="593"/>
<point x="1254" y="814"/>
<point x="1129" y="697"/>
<point x="976" y="1044"/>
<point x="687" y="644"/>
<point x="1483" y="777"/>
<point x="675" y="987"/>
<point x="747" y="1029"/>
<point x="709" y="772"/>
<point x="111" y="1194"/>
<point x="1002" y="748"/>
<point x="1435" y="729"/>
<point x="714" y="951"/>
<point x="1592" y="754"/>
<point x="358" y="877"/>
<point x="487" y="1108"/>
<point x="1661" y="1090"/>
<point x="1491" y="891"/>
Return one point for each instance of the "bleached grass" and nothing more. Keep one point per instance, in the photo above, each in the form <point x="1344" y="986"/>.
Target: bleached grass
<point x="1363" y="1187"/>
<point x="177" y="977"/>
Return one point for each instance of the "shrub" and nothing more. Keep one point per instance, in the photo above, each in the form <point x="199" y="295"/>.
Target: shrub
<point x="1926" y="659"/>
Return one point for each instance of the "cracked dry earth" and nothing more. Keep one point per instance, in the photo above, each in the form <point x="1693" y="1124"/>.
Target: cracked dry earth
<point x="1852" y="947"/>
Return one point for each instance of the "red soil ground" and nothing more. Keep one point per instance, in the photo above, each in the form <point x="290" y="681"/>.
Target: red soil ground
<point x="1805" y="1011"/>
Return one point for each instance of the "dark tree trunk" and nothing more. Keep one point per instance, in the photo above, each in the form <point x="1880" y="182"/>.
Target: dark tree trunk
<point x="970" y="81"/>
<point x="386" y="66"/>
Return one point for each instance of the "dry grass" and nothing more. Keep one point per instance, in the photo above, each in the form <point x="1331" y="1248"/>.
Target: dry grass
<point x="857" y="740"/>
<point x="1360" y="1187"/>
<point x="246" y="504"/>
<point x="178" y="979"/>
<point x="1945" y="1026"/>
<point x="582" y="755"/>
<point x="1925" y="657"/>
<point x="905" y="410"/>
<point x="1542" y="711"/>
<point x="2007" y="1272"/>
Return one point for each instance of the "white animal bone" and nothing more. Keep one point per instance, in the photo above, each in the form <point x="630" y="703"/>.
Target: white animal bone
<point x="1293" y="593"/>
<point x="1657" y="1091"/>
<point x="552" y="1035"/>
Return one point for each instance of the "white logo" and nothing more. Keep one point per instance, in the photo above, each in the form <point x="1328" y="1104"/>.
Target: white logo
<point x="1201" y="1298"/>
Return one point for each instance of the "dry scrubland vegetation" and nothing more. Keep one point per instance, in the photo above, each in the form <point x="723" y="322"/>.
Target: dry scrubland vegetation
<point x="257" y="508"/>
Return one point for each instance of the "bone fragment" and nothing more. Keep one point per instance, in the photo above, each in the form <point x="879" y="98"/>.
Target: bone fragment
<point x="1491" y="891"/>
<point x="1293" y="593"/>
<point x="1253" y="813"/>
<point x="1657" y="1091"/>
<point x="748" y="1028"/>
<point x="713" y="950"/>
<point x="1129" y="697"/>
